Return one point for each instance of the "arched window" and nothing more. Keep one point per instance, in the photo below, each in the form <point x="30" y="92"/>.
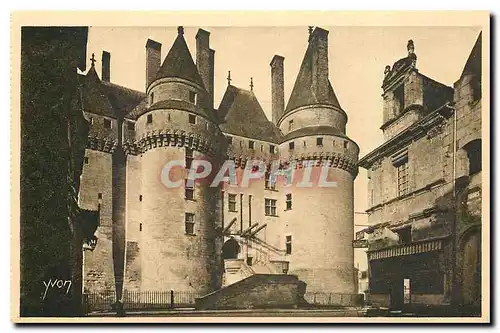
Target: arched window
<point x="473" y="150"/>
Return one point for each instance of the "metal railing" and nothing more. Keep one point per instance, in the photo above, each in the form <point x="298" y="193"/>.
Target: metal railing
<point x="136" y="300"/>
<point x="334" y="299"/>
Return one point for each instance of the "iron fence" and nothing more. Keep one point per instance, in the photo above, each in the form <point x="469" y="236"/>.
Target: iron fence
<point x="136" y="300"/>
<point x="333" y="299"/>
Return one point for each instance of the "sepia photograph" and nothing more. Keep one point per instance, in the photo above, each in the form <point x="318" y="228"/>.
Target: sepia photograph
<point x="265" y="167"/>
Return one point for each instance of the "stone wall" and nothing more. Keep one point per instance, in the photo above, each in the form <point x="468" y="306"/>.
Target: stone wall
<point x="97" y="178"/>
<point x="171" y="258"/>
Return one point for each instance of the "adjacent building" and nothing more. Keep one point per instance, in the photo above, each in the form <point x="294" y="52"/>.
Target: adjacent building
<point x="424" y="239"/>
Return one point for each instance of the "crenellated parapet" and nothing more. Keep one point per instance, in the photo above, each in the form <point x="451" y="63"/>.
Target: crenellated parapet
<point x="106" y="145"/>
<point x="331" y="159"/>
<point x="174" y="138"/>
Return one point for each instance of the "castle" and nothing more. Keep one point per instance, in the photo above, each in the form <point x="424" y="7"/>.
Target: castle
<point x="200" y="238"/>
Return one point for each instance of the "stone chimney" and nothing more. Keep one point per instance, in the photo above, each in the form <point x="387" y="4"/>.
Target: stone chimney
<point x="106" y="63"/>
<point x="320" y="84"/>
<point x="153" y="60"/>
<point x="204" y="63"/>
<point x="277" y="88"/>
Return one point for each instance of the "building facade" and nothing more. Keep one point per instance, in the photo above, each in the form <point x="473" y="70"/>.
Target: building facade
<point x="197" y="237"/>
<point x="424" y="238"/>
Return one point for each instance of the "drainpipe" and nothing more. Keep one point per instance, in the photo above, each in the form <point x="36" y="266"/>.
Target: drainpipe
<point x="454" y="205"/>
<point x="241" y="212"/>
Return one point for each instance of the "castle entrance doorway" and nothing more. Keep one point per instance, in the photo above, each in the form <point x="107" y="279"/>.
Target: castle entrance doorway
<point x="230" y="249"/>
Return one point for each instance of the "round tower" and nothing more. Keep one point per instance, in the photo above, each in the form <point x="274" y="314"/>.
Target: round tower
<point x="318" y="217"/>
<point x="178" y="227"/>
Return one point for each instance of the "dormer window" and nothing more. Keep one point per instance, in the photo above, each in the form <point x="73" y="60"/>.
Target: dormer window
<point x="192" y="119"/>
<point x="107" y="123"/>
<point x="473" y="150"/>
<point x="399" y="98"/>
<point x="290" y="125"/>
<point x="291" y="145"/>
<point x="319" y="141"/>
<point x="271" y="149"/>
<point x="193" y="97"/>
<point x="251" y="144"/>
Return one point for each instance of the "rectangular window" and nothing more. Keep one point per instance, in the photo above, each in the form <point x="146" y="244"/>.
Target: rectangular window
<point x="229" y="140"/>
<point x="107" y="123"/>
<point x="86" y="160"/>
<point x="193" y="97"/>
<point x="399" y="98"/>
<point x="290" y="125"/>
<point x="192" y="119"/>
<point x="140" y="197"/>
<point x="345" y="143"/>
<point x="91" y="121"/>
<point x="140" y="226"/>
<point x="150" y="118"/>
<point x="288" y="244"/>
<point x="319" y="141"/>
<point x="270" y="207"/>
<point x="261" y="147"/>
<point x="289" y="201"/>
<point x="231" y="199"/>
<point x="189" y="158"/>
<point x="99" y="195"/>
<point x="271" y="149"/>
<point x="249" y="261"/>
<point x="403" y="183"/>
<point x="151" y="98"/>
<point x="188" y="190"/>
<point x="291" y="145"/>
<point x="473" y="150"/>
<point x="130" y="126"/>
<point x="404" y="235"/>
<point x="251" y="144"/>
<point x="189" y="223"/>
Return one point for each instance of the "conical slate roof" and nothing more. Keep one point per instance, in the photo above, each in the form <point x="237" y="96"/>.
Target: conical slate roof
<point x="302" y="93"/>
<point x="242" y="115"/>
<point x="473" y="64"/>
<point x="179" y="63"/>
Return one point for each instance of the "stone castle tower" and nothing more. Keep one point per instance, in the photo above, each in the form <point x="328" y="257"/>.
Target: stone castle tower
<point x="195" y="237"/>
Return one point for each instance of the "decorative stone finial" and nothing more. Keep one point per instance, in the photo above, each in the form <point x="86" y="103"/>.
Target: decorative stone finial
<point x="228" y="78"/>
<point x="410" y="47"/>
<point x="387" y="70"/>
<point x="92" y="60"/>
<point x="310" y="28"/>
<point x="180" y="30"/>
<point x="251" y="84"/>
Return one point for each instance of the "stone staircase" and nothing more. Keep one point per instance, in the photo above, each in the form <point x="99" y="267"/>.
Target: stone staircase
<point x="255" y="291"/>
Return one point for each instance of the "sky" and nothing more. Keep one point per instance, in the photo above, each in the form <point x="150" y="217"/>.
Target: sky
<point x="357" y="58"/>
